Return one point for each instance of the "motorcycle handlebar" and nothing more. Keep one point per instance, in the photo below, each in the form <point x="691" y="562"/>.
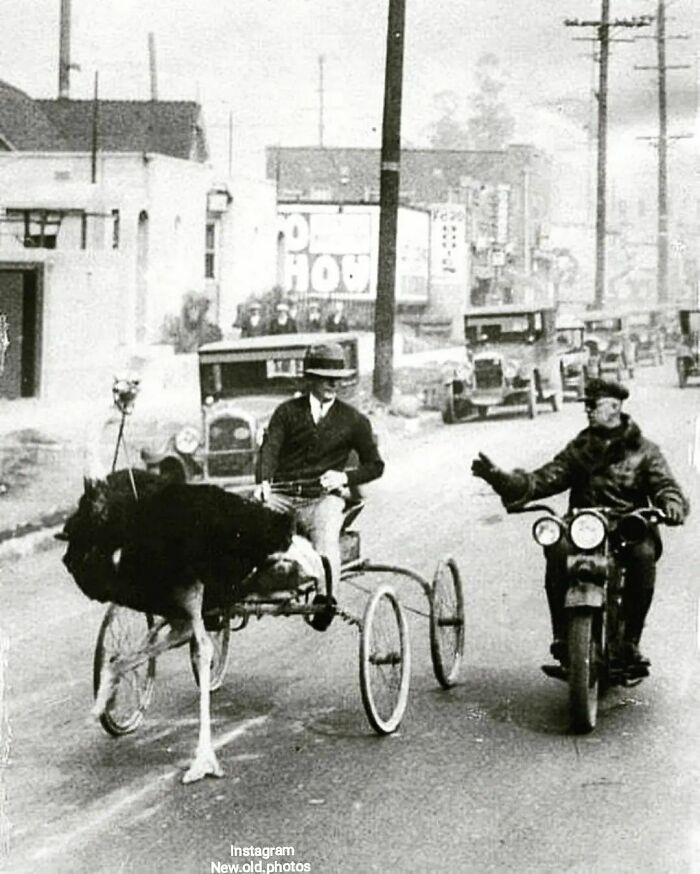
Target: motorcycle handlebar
<point x="649" y="514"/>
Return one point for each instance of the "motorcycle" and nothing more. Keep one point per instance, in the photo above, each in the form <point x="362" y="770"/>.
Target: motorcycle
<point x="595" y="656"/>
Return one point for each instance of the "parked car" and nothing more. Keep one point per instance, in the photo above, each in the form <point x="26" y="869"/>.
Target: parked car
<point x="649" y="348"/>
<point x="511" y="358"/>
<point x="241" y="382"/>
<point x="688" y="353"/>
<point x="573" y="355"/>
<point x="612" y="348"/>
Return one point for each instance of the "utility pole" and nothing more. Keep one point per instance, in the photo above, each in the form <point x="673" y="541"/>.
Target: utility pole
<point x="383" y="379"/>
<point x="603" y="28"/>
<point x="321" y="100"/>
<point x="152" y="66"/>
<point x="230" y="142"/>
<point x="95" y="129"/>
<point x="662" y="145"/>
<point x="64" y="62"/>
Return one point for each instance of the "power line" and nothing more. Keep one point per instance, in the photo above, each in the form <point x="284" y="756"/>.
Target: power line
<point x="603" y="37"/>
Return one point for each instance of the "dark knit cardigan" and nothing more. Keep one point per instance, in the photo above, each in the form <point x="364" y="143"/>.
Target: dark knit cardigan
<point x="296" y="448"/>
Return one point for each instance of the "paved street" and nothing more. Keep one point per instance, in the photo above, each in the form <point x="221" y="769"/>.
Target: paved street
<point x="483" y="778"/>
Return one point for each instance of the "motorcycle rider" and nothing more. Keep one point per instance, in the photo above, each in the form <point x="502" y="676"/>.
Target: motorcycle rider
<point x="608" y="464"/>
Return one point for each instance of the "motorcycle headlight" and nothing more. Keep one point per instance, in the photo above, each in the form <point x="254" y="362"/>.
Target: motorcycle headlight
<point x="187" y="440"/>
<point x="546" y="531"/>
<point x="587" y="531"/>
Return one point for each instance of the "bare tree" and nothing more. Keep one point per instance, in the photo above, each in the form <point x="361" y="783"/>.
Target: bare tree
<point x="491" y="124"/>
<point x="447" y="132"/>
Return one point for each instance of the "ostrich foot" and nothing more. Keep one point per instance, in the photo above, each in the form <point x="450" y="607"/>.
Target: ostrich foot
<point x="205" y="764"/>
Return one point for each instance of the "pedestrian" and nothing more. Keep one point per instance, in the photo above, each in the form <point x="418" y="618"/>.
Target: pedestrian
<point x="282" y="323"/>
<point x="608" y="464"/>
<point x="308" y="442"/>
<point x="293" y="305"/>
<point x="253" y="323"/>
<point x="336" y="321"/>
<point x="313" y="319"/>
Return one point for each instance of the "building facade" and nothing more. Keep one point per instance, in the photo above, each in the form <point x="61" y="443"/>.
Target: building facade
<point x="499" y="201"/>
<point x="110" y="217"/>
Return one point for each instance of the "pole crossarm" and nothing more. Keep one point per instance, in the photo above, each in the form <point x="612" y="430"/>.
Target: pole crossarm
<point x="640" y="21"/>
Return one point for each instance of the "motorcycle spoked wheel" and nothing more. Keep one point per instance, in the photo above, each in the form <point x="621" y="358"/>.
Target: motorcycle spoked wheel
<point x="585" y="674"/>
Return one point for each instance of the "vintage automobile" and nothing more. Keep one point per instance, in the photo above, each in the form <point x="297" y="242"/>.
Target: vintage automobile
<point x="649" y="346"/>
<point x="688" y="353"/>
<point x="573" y="355"/>
<point x="511" y="358"/>
<point x="241" y="382"/>
<point x="646" y="330"/>
<point x="611" y="347"/>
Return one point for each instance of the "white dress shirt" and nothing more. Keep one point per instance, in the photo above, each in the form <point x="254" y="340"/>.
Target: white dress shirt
<point x="319" y="410"/>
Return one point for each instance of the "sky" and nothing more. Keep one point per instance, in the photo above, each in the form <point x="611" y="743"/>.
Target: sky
<point x="257" y="61"/>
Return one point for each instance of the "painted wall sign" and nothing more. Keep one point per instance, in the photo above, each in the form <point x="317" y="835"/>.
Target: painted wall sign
<point x="329" y="251"/>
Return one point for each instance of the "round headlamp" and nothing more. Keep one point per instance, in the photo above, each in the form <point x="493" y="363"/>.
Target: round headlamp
<point x="510" y="369"/>
<point x="546" y="531"/>
<point x="187" y="440"/>
<point x="587" y="531"/>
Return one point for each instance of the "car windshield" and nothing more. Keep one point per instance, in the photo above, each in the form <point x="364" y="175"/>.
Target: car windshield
<point x="569" y="338"/>
<point x="234" y="373"/>
<point x="521" y="328"/>
<point x="604" y="325"/>
<point x="271" y="376"/>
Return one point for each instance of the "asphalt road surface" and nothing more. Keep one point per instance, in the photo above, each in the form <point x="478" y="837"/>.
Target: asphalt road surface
<point x="485" y="777"/>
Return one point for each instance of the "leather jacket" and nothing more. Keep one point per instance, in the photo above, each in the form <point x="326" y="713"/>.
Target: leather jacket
<point x="619" y="469"/>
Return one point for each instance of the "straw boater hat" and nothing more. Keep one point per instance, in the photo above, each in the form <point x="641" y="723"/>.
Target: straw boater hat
<point x="326" y="359"/>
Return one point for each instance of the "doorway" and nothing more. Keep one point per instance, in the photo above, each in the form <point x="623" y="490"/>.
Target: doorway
<point x="20" y="332"/>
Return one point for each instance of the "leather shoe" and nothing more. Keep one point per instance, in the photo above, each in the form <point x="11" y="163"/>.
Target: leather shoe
<point x="323" y="617"/>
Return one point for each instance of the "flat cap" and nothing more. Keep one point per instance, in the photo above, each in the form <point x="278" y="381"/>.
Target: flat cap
<point x="605" y="388"/>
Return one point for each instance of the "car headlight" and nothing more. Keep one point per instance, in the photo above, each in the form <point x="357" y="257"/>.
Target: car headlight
<point x="510" y="369"/>
<point x="546" y="531"/>
<point x="587" y="531"/>
<point x="187" y="440"/>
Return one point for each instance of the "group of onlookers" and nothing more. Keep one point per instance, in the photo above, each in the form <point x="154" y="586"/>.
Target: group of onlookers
<point x="286" y="319"/>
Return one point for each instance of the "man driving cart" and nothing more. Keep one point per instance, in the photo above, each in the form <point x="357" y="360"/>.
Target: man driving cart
<point x="608" y="464"/>
<point x="306" y="450"/>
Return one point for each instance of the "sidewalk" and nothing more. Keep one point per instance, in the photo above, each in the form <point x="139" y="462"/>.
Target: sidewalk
<point x="42" y="445"/>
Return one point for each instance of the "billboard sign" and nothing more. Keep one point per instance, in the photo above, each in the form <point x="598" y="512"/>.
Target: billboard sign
<point x="333" y="251"/>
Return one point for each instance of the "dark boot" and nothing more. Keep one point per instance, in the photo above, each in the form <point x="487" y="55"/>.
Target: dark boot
<point x="636" y="607"/>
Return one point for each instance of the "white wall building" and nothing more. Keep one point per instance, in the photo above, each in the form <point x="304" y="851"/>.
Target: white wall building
<point x="99" y="246"/>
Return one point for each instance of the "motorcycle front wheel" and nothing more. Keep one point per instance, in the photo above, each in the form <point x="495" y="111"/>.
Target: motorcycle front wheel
<point x="584" y="670"/>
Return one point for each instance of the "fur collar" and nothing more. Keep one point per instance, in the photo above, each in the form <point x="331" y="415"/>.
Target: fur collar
<point x="594" y="449"/>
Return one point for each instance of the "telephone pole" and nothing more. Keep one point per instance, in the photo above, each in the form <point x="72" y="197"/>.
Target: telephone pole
<point x="152" y="65"/>
<point x="383" y="378"/>
<point x="662" y="145"/>
<point x="603" y="29"/>
<point x="321" y="101"/>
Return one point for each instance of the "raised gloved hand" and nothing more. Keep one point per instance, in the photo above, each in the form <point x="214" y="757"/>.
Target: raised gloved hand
<point x="485" y="469"/>
<point x="510" y="486"/>
<point x="674" y="513"/>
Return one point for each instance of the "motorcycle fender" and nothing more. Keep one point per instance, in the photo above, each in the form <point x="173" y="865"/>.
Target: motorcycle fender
<point x="584" y="595"/>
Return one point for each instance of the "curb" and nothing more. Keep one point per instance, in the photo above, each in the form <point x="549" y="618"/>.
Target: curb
<point x="28" y="544"/>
